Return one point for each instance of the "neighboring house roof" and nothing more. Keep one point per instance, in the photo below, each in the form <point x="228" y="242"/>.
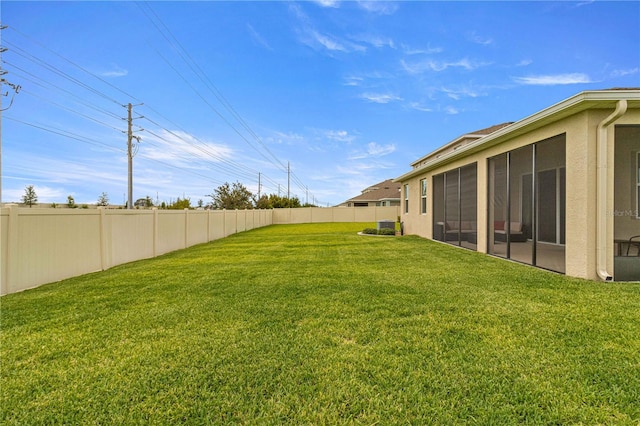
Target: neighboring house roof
<point x="383" y="191"/>
<point x="458" y="143"/>
<point x="481" y="139"/>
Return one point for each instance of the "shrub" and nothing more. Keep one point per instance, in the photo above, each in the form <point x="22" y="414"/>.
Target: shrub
<point x="383" y="231"/>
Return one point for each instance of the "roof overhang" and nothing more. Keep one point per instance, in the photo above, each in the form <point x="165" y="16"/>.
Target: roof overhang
<point x="600" y="99"/>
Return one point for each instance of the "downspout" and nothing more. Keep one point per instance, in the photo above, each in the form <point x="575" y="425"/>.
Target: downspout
<point x="602" y="141"/>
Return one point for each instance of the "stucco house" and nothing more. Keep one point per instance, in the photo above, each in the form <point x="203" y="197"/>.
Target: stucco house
<point x="559" y="190"/>
<point x="386" y="193"/>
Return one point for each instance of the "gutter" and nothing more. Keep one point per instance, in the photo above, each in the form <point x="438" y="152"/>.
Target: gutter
<point x="602" y="188"/>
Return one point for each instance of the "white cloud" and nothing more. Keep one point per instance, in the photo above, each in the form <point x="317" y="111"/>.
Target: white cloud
<point x="622" y="73"/>
<point x="475" y="38"/>
<point x="327" y="42"/>
<point x="457" y="94"/>
<point x="380" y="98"/>
<point x="376" y="150"/>
<point x="116" y="71"/>
<point x="340" y="135"/>
<point x="438" y="66"/>
<point x="45" y="194"/>
<point x="419" y="107"/>
<point x="313" y="38"/>
<point x="421" y="51"/>
<point x="553" y="79"/>
<point x="285" y="138"/>
<point x="373" y="150"/>
<point x="353" y="81"/>
<point x="376" y="41"/>
<point x="379" y="7"/>
<point x="319" y="41"/>
<point x="327" y="3"/>
<point x="524" y="63"/>
<point x="451" y="110"/>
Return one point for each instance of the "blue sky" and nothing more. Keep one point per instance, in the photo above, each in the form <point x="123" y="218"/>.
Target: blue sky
<point x="346" y="93"/>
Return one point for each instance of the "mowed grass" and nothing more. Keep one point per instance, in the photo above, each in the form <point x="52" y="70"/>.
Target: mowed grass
<point x="313" y="324"/>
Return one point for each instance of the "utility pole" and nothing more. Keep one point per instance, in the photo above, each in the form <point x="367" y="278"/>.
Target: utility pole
<point x="130" y="155"/>
<point x="259" y="185"/>
<point x="129" y="159"/>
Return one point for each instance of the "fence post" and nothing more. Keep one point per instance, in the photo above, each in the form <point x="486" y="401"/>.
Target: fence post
<point x="208" y="225"/>
<point x="104" y="247"/>
<point x="155" y="231"/>
<point x="11" y="274"/>
<point x="186" y="228"/>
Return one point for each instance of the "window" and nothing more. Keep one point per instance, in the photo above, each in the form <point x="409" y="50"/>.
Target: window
<point x="406" y="198"/>
<point x="423" y="196"/>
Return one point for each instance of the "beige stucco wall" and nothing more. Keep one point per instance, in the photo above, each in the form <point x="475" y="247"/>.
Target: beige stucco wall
<point x="580" y="131"/>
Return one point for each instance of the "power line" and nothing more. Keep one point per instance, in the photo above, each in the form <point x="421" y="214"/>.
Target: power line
<point x="197" y="70"/>
<point x="21" y="52"/>
<point x="75" y="64"/>
<point x="221" y="163"/>
<point x="70" y="95"/>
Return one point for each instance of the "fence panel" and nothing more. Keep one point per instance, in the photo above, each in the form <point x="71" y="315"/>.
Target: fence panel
<point x="197" y="227"/>
<point x="4" y="245"/>
<point x="171" y="231"/>
<point x="216" y="224"/>
<point x="49" y="246"/>
<point x="230" y="222"/>
<point x="129" y="235"/>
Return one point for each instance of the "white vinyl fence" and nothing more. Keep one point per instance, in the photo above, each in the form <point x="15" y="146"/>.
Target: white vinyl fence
<point x="39" y="246"/>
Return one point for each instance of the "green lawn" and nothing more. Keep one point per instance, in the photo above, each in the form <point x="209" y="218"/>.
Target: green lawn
<point x="313" y="324"/>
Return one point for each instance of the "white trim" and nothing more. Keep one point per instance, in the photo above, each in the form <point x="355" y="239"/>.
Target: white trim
<point x="423" y="196"/>
<point x="406" y="198"/>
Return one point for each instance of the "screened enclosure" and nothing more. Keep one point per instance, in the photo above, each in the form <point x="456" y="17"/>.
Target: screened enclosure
<point x="526" y="201"/>
<point x="455" y="206"/>
<point x="627" y="204"/>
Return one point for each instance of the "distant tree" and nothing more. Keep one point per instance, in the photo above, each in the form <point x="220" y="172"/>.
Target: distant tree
<point x="146" y="202"/>
<point x="71" y="203"/>
<point x="200" y="203"/>
<point x="30" y="197"/>
<point x="231" y="197"/>
<point x="180" y="204"/>
<point x="103" y="199"/>
<point x="273" y="201"/>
